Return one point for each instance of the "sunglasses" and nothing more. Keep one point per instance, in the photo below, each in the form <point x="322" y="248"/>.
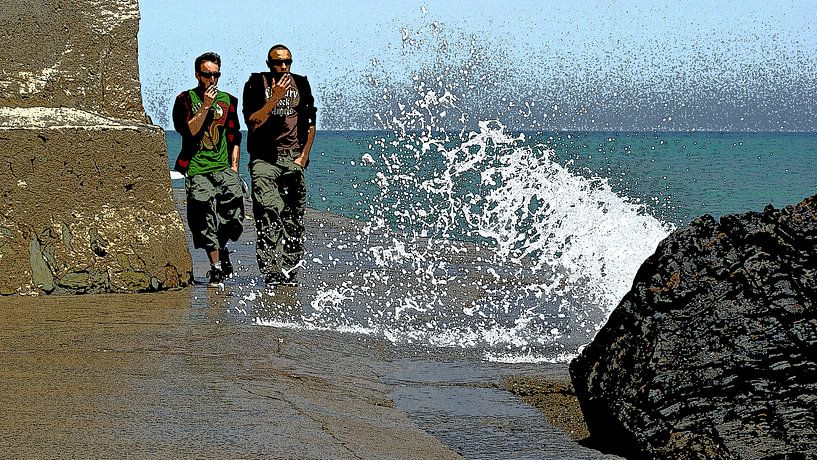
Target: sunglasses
<point x="280" y="61"/>
<point x="210" y="74"/>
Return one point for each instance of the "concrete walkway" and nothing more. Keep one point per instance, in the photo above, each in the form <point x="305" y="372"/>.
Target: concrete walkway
<point x="150" y="376"/>
<point x="188" y="374"/>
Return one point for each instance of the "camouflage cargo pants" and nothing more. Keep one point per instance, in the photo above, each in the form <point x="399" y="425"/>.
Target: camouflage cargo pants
<point x="215" y="208"/>
<point x="279" y="200"/>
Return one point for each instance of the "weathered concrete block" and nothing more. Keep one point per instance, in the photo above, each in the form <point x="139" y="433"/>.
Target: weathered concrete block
<point x="85" y="196"/>
<point x="78" y="53"/>
<point x="87" y="205"/>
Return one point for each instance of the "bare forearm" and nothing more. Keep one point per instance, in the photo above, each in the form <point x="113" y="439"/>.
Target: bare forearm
<point x="310" y="137"/>
<point x="197" y="122"/>
<point x="234" y="157"/>
<point x="260" y="116"/>
<point x="277" y="92"/>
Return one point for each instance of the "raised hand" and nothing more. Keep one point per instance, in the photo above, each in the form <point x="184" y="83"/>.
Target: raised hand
<point x="209" y="96"/>
<point x="279" y="89"/>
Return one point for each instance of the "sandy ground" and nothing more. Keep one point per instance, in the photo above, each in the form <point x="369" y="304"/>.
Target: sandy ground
<point x="185" y="374"/>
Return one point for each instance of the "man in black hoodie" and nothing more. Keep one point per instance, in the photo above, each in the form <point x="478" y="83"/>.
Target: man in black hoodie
<point x="280" y="114"/>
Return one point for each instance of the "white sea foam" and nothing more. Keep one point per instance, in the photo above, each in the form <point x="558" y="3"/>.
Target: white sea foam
<point x="477" y="237"/>
<point x="526" y="265"/>
<point x="515" y="358"/>
<point x="313" y="327"/>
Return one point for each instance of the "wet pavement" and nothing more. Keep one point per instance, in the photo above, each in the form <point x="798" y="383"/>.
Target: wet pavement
<point x="152" y="376"/>
<point x="189" y="374"/>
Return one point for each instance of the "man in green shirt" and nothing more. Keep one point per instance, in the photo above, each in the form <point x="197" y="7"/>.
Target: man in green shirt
<point x="207" y="120"/>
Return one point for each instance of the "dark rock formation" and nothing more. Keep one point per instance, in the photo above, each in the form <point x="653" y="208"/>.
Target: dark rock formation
<point x="85" y="198"/>
<point x="712" y="354"/>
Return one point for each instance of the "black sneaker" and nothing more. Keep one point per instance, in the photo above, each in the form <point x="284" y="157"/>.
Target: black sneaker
<point x="215" y="277"/>
<point x="290" y="282"/>
<point x="226" y="265"/>
<point x="275" y="279"/>
<point x="272" y="279"/>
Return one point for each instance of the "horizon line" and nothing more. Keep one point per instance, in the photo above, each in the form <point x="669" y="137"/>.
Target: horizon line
<point x="528" y="131"/>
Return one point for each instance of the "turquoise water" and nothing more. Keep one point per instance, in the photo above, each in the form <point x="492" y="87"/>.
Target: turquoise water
<point x="677" y="176"/>
<point x="514" y="245"/>
<point x="683" y="175"/>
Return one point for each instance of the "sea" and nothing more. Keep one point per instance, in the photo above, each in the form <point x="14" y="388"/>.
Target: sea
<point x="514" y="245"/>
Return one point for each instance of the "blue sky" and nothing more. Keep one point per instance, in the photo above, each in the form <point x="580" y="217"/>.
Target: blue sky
<point x="747" y="65"/>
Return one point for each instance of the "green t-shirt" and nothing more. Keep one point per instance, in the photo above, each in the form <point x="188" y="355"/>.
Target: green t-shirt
<point x="212" y="154"/>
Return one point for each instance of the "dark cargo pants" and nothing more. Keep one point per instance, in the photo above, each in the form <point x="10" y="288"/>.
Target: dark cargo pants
<point x="279" y="201"/>
<point x="215" y="208"/>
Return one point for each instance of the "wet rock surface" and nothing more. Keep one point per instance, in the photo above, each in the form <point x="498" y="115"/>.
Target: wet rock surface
<point x="712" y="352"/>
<point x="556" y="398"/>
<point x="85" y="199"/>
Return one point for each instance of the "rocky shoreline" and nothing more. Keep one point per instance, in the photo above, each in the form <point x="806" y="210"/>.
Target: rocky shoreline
<point x="711" y="353"/>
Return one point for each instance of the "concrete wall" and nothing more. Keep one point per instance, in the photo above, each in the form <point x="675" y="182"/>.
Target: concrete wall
<point x="79" y="53"/>
<point x="85" y="197"/>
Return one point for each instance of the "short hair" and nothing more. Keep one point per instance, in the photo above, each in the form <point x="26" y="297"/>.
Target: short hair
<point x="277" y="47"/>
<point x="208" y="56"/>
